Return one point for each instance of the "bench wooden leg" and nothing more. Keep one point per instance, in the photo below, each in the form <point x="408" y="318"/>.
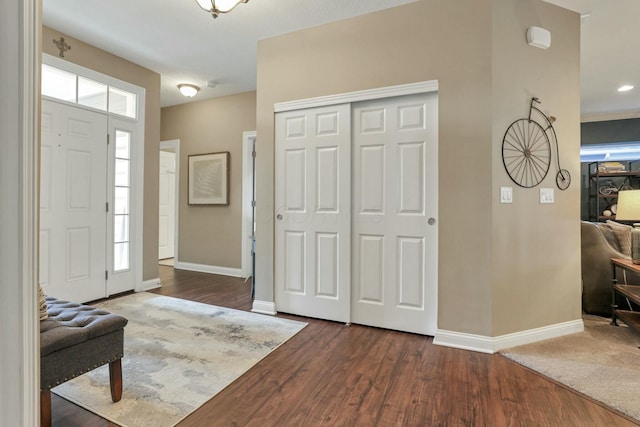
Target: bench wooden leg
<point x="115" y="378"/>
<point x="45" y="408"/>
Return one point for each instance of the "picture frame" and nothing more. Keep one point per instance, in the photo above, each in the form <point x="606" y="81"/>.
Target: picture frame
<point x="209" y="178"/>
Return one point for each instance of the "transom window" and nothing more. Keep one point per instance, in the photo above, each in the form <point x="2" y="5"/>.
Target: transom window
<point x="70" y="87"/>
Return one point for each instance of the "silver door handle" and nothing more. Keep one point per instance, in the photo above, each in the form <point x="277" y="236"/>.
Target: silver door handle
<point x="431" y="221"/>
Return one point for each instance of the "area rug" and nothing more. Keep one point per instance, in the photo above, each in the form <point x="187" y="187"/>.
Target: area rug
<point x="177" y="355"/>
<point x="603" y="362"/>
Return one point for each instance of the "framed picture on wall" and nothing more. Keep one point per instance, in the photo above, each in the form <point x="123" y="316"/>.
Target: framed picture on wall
<point x="209" y="179"/>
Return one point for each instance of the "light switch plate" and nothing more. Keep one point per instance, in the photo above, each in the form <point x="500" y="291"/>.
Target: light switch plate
<point x="546" y="195"/>
<point x="506" y="195"/>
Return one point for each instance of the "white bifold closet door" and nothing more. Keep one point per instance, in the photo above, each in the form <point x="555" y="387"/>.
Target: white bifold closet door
<point x="394" y="235"/>
<point x="313" y="212"/>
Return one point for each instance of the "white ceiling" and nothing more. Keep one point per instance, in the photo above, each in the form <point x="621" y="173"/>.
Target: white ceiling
<point x="182" y="43"/>
<point x="608" y="57"/>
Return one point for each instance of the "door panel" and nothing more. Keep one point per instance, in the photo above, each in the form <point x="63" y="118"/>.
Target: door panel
<point x="295" y="180"/>
<point x="327" y="265"/>
<point x="411" y="169"/>
<point x="313" y="212"/>
<point x="73" y="202"/>
<point x="78" y="253"/>
<point x="395" y="182"/>
<point x="294" y="265"/>
<point x="370" y="267"/>
<point x="372" y="183"/>
<point x="410" y="272"/>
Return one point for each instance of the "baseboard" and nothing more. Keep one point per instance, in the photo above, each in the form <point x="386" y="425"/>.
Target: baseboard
<point x="202" y="268"/>
<point x="264" y="307"/>
<point x="463" y="341"/>
<point x="492" y="345"/>
<point x="147" y="285"/>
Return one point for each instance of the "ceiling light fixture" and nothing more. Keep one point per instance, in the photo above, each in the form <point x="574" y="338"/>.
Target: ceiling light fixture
<point x="625" y="88"/>
<point x="216" y="7"/>
<point x="188" y="90"/>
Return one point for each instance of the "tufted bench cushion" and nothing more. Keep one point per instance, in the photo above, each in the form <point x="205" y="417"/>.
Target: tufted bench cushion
<point x="70" y="323"/>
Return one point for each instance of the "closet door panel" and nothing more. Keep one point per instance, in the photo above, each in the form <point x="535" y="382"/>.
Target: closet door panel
<point x="313" y="212"/>
<point x="395" y="174"/>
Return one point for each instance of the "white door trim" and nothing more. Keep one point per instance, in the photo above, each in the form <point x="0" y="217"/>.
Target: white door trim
<point x="20" y="404"/>
<point x="247" y="196"/>
<point x="30" y="207"/>
<point x="361" y="95"/>
<point x="174" y="145"/>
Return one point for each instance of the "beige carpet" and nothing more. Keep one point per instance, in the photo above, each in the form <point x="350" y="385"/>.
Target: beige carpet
<point x="602" y="362"/>
<point x="177" y="355"/>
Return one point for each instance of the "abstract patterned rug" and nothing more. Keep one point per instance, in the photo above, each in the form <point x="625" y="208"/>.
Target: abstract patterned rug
<point x="177" y="355"/>
<point x="602" y="362"/>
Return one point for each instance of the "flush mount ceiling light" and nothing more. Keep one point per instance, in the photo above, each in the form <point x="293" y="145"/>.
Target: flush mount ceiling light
<point x="188" y="90"/>
<point x="216" y="7"/>
<point x="625" y="88"/>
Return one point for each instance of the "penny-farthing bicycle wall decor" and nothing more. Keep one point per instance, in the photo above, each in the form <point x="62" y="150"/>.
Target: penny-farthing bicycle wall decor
<point x="526" y="150"/>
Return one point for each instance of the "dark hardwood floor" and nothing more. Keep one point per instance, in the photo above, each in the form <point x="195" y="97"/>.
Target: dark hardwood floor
<point x="335" y="375"/>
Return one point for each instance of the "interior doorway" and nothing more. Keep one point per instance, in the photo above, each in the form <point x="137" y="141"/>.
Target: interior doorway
<point x="169" y="180"/>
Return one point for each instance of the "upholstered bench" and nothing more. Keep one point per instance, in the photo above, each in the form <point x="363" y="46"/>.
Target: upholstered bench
<point x="75" y="339"/>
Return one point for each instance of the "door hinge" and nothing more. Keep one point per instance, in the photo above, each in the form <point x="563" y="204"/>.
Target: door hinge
<point x="106" y="275"/>
<point x="108" y="139"/>
<point x="253" y="203"/>
<point x="253" y="154"/>
<point x="107" y="206"/>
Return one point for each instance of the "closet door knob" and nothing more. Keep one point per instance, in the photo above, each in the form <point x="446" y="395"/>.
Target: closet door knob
<point x="279" y="217"/>
<point x="431" y="221"/>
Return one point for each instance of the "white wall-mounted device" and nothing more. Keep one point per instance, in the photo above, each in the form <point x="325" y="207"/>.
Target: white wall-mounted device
<point x="538" y="37"/>
<point x="546" y="195"/>
<point x="506" y="195"/>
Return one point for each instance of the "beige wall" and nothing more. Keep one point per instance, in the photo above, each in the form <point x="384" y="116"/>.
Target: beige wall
<point x="91" y="57"/>
<point x="211" y="235"/>
<point x="536" y="248"/>
<point x="489" y="272"/>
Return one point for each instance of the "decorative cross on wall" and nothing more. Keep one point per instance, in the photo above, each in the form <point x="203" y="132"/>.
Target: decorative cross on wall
<point x="60" y="44"/>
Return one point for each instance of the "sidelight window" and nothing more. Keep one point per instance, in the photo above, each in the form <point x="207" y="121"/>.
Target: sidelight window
<point x="122" y="198"/>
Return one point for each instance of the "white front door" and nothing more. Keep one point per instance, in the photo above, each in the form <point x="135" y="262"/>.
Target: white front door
<point x="313" y="212"/>
<point x="73" y="199"/>
<point x="394" y="234"/>
<point x="167" y="205"/>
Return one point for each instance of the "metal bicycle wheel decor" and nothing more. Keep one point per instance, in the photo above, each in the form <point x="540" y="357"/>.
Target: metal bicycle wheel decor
<point x="526" y="150"/>
<point x="526" y="153"/>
